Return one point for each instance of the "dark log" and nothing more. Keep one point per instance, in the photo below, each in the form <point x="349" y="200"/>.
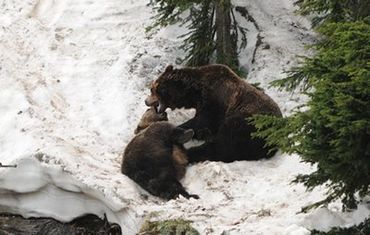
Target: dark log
<point x="84" y="225"/>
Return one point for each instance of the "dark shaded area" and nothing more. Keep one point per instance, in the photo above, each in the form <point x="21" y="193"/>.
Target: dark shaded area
<point x="85" y="225"/>
<point x="7" y="166"/>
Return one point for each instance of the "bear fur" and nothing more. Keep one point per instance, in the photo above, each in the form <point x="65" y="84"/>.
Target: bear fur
<point x="223" y="102"/>
<point x="179" y="157"/>
<point x="149" y="117"/>
<point x="156" y="159"/>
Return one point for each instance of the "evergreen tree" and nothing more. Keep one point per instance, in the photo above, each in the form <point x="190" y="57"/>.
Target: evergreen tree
<point x="334" y="130"/>
<point x="334" y="10"/>
<point x="214" y="33"/>
<point x="198" y="43"/>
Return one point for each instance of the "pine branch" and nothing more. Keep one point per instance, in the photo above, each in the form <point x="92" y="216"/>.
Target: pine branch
<point x="315" y="205"/>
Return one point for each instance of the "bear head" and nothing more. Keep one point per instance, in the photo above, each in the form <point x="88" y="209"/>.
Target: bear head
<point x="150" y="116"/>
<point x="175" y="88"/>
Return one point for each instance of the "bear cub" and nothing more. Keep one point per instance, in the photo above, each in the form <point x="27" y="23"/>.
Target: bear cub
<point x="149" y="117"/>
<point x="156" y="158"/>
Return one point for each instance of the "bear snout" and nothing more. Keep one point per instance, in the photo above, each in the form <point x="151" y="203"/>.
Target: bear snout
<point x="152" y="101"/>
<point x="161" y="108"/>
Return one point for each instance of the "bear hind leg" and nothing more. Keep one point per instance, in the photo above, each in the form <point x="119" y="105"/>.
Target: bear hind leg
<point x="167" y="186"/>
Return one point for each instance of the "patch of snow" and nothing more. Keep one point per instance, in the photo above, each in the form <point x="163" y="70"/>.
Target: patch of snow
<point x="325" y="218"/>
<point x="32" y="189"/>
<point x="296" y="230"/>
<point x="73" y="79"/>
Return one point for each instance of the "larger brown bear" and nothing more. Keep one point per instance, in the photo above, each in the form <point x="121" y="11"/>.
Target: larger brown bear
<point x="223" y="102"/>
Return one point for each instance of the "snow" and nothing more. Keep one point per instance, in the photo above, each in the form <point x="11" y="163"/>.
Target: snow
<point x="73" y="78"/>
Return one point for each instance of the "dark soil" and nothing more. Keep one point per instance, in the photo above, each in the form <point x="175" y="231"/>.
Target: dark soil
<point x="85" y="225"/>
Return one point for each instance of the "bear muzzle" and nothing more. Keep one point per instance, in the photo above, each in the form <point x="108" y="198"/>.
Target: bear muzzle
<point x="153" y="101"/>
<point x="161" y="108"/>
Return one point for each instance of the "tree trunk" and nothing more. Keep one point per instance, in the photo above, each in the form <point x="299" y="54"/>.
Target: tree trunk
<point x="225" y="48"/>
<point x="360" y="9"/>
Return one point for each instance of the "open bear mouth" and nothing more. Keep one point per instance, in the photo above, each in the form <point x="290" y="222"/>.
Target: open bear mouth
<point x="161" y="108"/>
<point x="153" y="101"/>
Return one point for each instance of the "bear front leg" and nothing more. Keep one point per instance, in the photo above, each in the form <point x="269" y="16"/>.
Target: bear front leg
<point x="204" y="152"/>
<point x="191" y="124"/>
<point x="201" y="126"/>
<point x="204" y="134"/>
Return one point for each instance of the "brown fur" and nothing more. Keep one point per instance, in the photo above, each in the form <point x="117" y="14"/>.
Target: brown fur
<point x="180" y="160"/>
<point x="179" y="157"/>
<point x="222" y="101"/>
<point x="155" y="158"/>
<point x="150" y="116"/>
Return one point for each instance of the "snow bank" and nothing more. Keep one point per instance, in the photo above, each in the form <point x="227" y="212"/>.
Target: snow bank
<point x="33" y="190"/>
<point x="73" y="78"/>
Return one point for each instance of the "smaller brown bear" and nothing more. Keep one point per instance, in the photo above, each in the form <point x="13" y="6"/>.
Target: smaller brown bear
<point x="149" y="117"/>
<point x="155" y="158"/>
<point x="179" y="156"/>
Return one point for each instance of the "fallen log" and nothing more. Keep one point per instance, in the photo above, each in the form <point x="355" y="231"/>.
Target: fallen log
<point x="89" y="224"/>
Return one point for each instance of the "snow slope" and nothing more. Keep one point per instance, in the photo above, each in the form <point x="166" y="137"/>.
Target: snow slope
<point x="73" y="77"/>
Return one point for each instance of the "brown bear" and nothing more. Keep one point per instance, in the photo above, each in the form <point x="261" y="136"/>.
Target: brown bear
<point x="223" y="102"/>
<point x="179" y="157"/>
<point x="156" y="159"/>
<point x="149" y="117"/>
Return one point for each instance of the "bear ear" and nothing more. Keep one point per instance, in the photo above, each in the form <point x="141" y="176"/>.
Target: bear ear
<point x="137" y="130"/>
<point x="169" y="68"/>
<point x="181" y="136"/>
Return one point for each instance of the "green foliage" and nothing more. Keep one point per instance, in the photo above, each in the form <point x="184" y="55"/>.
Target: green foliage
<point x="361" y="229"/>
<point x="169" y="11"/>
<point x="327" y="11"/>
<point x="334" y="130"/>
<point x="341" y="52"/>
<point x="200" y="43"/>
<point x="168" y="227"/>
